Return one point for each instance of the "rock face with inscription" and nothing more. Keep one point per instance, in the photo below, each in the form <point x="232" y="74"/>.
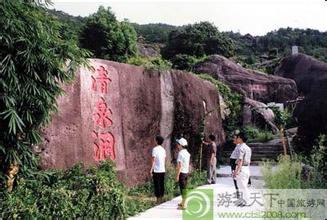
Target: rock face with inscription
<point x="114" y="111"/>
<point x="251" y="84"/>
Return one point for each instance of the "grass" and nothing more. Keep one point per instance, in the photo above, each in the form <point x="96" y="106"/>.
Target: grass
<point x="286" y="175"/>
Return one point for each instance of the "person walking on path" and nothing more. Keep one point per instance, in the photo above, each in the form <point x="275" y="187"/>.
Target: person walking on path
<point x="158" y="169"/>
<point x="242" y="171"/>
<point x="182" y="170"/>
<point x="211" y="159"/>
<point x="232" y="162"/>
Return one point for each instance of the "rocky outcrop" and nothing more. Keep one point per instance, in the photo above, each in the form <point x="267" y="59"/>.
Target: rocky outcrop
<point x="115" y="110"/>
<point x="264" y="111"/>
<point x="148" y="50"/>
<point x="310" y="76"/>
<point x="251" y="84"/>
<point x="305" y="70"/>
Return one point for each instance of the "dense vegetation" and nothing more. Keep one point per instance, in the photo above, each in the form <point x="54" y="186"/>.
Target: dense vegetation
<point x="89" y="193"/>
<point x="197" y="40"/>
<point x="107" y="38"/>
<point x="265" y="52"/>
<point x="36" y="58"/>
<point x="71" y="25"/>
<point x="290" y="173"/>
<point x="154" y="33"/>
<point x="258" y="52"/>
<point x="74" y="193"/>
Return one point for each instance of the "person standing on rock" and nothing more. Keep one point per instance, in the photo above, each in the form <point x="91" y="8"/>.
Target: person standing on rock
<point x="211" y="159"/>
<point x="242" y="171"/>
<point x="158" y="168"/>
<point x="183" y="168"/>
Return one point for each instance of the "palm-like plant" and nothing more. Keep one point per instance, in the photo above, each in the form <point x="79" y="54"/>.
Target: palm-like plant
<point x="35" y="59"/>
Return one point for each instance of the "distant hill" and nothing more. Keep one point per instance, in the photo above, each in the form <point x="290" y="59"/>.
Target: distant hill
<point x="277" y="44"/>
<point x="71" y="25"/>
<point x="257" y="52"/>
<point x="265" y="52"/>
<point x="74" y="22"/>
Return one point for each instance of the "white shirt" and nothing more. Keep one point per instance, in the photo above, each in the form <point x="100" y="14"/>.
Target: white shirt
<point x="184" y="158"/>
<point x="159" y="154"/>
<point x="245" y="154"/>
<point x="236" y="152"/>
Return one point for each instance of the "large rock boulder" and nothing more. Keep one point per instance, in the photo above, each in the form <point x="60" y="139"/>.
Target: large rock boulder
<point x="305" y="70"/>
<point x="311" y="113"/>
<point x="251" y="84"/>
<point x="148" y="50"/>
<point x="114" y="111"/>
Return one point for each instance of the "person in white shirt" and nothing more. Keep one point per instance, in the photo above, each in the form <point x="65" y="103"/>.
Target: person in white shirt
<point x="158" y="169"/>
<point x="233" y="159"/>
<point x="183" y="168"/>
<point x="242" y="171"/>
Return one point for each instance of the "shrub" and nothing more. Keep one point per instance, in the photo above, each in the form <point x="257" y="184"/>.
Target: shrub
<point x="156" y="63"/>
<point x="318" y="161"/>
<point x="186" y="62"/>
<point x="75" y="193"/>
<point x="291" y="173"/>
<point x="286" y="174"/>
<point x="255" y="134"/>
<point x="283" y="118"/>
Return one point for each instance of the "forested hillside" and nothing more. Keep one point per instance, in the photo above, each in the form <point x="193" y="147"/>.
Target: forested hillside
<point x="257" y="52"/>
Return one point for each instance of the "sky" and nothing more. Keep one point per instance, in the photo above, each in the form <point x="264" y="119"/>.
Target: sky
<point x="256" y="17"/>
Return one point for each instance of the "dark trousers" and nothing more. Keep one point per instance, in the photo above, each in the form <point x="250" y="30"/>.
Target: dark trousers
<point x="233" y="167"/>
<point x="183" y="177"/>
<point x="159" y="184"/>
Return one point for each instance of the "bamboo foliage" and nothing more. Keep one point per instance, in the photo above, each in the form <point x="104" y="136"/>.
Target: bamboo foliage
<point x="35" y="59"/>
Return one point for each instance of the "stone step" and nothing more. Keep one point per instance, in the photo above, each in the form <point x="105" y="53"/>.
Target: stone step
<point x="262" y="151"/>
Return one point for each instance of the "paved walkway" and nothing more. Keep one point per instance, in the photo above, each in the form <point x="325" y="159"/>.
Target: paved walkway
<point x="168" y="210"/>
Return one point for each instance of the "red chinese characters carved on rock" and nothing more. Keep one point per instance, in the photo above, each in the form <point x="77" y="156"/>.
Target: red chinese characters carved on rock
<point x="101" y="117"/>
<point x="105" y="147"/>
<point x="102" y="80"/>
<point x="104" y="143"/>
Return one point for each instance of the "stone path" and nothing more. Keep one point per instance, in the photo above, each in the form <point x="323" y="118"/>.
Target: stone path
<point x="168" y="210"/>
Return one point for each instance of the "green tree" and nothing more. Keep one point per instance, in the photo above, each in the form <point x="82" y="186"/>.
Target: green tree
<point x="198" y="40"/>
<point x="34" y="62"/>
<point x="107" y="38"/>
<point x="154" y="33"/>
<point x="71" y="26"/>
